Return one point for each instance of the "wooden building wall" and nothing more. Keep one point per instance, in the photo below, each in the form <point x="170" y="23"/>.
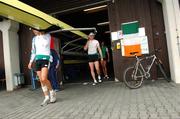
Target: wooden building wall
<point x="159" y="35"/>
<point x="149" y="14"/>
<point x="25" y="37"/>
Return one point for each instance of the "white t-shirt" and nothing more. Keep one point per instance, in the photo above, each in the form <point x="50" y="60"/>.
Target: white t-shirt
<point x="92" y="46"/>
<point x="40" y="46"/>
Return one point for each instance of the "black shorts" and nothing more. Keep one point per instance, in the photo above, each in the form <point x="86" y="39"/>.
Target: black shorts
<point x="93" y="58"/>
<point x="42" y="63"/>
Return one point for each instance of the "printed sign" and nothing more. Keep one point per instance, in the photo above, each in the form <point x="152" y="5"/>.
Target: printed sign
<point x="114" y="36"/>
<point x="137" y="44"/>
<point x="130" y="45"/>
<point x="144" y="45"/>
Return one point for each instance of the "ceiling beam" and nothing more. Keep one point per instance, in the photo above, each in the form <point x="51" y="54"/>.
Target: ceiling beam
<point x="79" y="7"/>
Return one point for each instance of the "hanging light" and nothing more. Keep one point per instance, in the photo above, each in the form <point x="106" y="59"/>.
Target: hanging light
<point x="103" y="23"/>
<point x="95" y="8"/>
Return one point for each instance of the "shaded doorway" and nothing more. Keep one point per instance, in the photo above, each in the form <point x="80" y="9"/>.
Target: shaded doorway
<point x="83" y="19"/>
<point x="2" y="67"/>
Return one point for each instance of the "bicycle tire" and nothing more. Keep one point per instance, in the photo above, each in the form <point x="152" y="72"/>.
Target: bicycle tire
<point x="161" y="67"/>
<point x="129" y="77"/>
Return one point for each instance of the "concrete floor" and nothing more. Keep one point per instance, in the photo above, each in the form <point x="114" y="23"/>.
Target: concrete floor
<point x="108" y="100"/>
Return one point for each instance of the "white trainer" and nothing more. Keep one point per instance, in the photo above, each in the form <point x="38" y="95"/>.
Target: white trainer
<point x="45" y="101"/>
<point x="94" y="84"/>
<point x="106" y="77"/>
<point x="99" y="79"/>
<point x="95" y="81"/>
<point x="52" y="96"/>
<point x="116" y="80"/>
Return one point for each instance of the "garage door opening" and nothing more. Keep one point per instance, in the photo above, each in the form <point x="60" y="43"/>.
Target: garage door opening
<point x="2" y="68"/>
<point x="79" y="72"/>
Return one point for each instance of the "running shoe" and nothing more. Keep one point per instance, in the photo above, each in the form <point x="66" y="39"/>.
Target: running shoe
<point x="99" y="79"/>
<point x="94" y="84"/>
<point x="57" y="90"/>
<point x="45" y="102"/>
<point x="95" y="81"/>
<point x="52" y="96"/>
<point x="106" y="77"/>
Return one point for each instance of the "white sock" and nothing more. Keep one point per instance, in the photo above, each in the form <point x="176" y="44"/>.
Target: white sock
<point x="51" y="91"/>
<point x="46" y="97"/>
<point x="44" y="88"/>
<point x="99" y="77"/>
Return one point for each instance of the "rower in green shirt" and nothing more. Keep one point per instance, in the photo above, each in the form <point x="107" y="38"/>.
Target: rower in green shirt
<point x="106" y="59"/>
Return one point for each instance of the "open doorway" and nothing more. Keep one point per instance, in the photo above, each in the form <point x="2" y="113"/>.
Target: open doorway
<point x="87" y="19"/>
<point x="2" y="68"/>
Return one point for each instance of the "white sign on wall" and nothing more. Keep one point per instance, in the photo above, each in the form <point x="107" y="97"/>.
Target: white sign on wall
<point x="144" y="45"/>
<point x="142" y="31"/>
<point x="120" y="34"/>
<point x="114" y="36"/>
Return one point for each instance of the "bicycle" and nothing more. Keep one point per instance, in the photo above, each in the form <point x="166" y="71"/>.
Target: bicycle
<point x="134" y="76"/>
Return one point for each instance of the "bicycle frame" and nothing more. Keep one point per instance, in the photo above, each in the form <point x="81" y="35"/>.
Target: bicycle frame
<point x="138" y="64"/>
<point x="133" y="76"/>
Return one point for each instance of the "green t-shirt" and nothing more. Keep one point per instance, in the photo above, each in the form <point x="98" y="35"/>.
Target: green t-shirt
<point x="104" y="51"/>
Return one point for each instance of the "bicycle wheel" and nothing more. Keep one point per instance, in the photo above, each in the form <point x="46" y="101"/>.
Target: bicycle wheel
<point x="161" y="67"/>
<point x="131" y="79"/>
